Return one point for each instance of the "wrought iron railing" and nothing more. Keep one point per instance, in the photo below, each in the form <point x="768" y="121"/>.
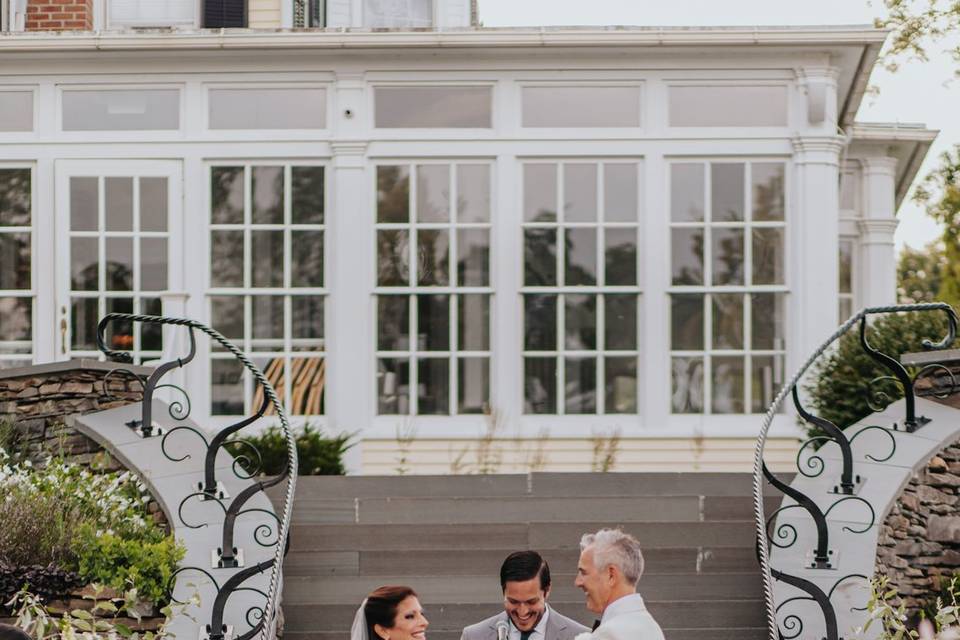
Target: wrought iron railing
<point x="824" y="556"/>
<point x="210" y="489"/>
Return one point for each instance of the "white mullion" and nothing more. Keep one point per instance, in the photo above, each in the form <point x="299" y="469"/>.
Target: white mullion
<point x="137" y="275"/>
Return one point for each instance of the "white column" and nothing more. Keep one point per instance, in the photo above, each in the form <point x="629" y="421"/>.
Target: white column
<point x="814" y="229"/>
<point x="878" y="262"/>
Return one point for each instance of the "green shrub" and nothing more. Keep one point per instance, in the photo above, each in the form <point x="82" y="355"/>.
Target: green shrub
<point x="317" y="454"/>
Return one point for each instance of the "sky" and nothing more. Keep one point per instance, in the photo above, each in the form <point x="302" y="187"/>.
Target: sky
<point x="919" y="92"/>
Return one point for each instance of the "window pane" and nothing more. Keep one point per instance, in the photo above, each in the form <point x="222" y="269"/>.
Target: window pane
<point x="581" y="262"/>
<point x="393" y="258"/>
<point x="540" y="257"/>
<point x="727" y="256"/>
<point x="307" y="193"/>
<point x="473" y="257"/>
<point x="473" y="392"/>
<point x="393" y="377"/>
<point x="580" y="192"/>
<point x="687" y="388"/>
<point x="433" y="107"/>
<point x="540" y="385"/>
<point x="16" y="110"/>
<point x="83" y="204"/>
<point x="433" y="317"/>
<point x="15" y="197"/>
<point x="15" y="321"/>
<point x="768" y="256"/>
<point x="397" y="15"/>
<point x="433" y="193"/>
<point x="84" y="315"/>
<point x="686" y="313"/>
<point x="845" y="309"/>
<point x="274" y="370"/>
<point x="153" y="264"/>
<point x="226" y="387"/>
<point x="121" y="110"/>
<point x="434" y="386"/>
<point x="263" y="108"/>
<point x="620" y="193"/>
<point x="393" y="194"/>
<point x="687" y="256"/>
<point x="226" y="316"/>
<point x="15" y="260"/>
<point x="621" y="381"/>
<point x="118" y="204"/>
<point x="307" y="380"/>
<point x="767" y="321"/>
<point x="473" y="317"/>
<point x="540" y="322"/>
<point x="727" y="385"/>
<point x="580" y="394"/>
<point x="621" y="256"/>
<point x="267" y="258"/>
<point x="306" y="261"/>
<point x="846" y="266"/>
<point x="433" y="249"/>
<point x="267" y="199"/>
<point x="393" y="323"/>
<point x="473" y="193"/>
<point x="267" y="323"/>
<point x="621" y="320"/>
<point x="153" y="204"/>
<point x="728" y="106"/>
<point x="767" y="378"/>
<point x="580" y="321"/>
<point x="686" y="192"/>
<point x="767" y="180"/>
<point x="226" y="258"/>
<point x="151" y="335"/>
<point x="727" y="320"/>
<point x="539" y="192"/>
<point x="119" y="264"/>
<point x="726" y="188"/>
<point x="581" y="106"/>
<point x="119" y="335"/>
<point x="84" y="264"/>
<point x="307" y="323"/>
<point x="226" y="185"/>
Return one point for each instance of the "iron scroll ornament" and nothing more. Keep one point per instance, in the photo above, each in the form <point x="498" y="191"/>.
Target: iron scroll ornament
<point x="289" y="474"/>
<point x="760" y="521"/>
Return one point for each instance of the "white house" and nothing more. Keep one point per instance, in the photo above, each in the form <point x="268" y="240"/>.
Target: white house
<point x="472" y="246"/>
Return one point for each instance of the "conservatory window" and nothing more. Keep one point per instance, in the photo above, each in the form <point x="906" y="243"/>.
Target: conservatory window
<point x="16" y="288"/>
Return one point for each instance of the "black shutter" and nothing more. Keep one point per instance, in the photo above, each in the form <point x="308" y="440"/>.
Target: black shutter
<point x="224" y="13"/>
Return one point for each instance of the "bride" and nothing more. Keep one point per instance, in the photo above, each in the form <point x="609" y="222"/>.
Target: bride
<point x="390" y="613"/>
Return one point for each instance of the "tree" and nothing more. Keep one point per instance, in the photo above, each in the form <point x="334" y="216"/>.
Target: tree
<point x="915" y="24"/>
<point x="920" y="273"/>
<point x="940" y="191"/>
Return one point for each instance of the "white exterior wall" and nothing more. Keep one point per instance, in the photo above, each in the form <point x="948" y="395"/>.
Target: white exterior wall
<point x="264" y="14"/>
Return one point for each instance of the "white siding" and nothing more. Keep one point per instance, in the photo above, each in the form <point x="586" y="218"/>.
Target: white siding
<point x="264" y="14"/>
<point x="338" y="13"/>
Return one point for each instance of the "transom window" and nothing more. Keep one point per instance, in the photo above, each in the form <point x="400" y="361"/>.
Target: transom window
<point x="119" y="256"/>
<point x="580" y="287"/>
<point x="397" y="14"/>
<point x="267" y="289"/>
<point x="727" y="285"/>
<point x="16" y="288"/>
<point x="433" y="288"/>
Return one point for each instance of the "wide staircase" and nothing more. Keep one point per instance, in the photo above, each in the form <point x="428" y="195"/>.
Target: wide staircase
<point x="446" y="537"/>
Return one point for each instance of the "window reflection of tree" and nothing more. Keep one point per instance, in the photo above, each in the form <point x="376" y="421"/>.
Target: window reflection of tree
<point x="393" y="194"/>
<point x="692" y="273"/>
<point x="728" y="264"/>
<point x="540" y="257"/>
<point x="432" y="257"/>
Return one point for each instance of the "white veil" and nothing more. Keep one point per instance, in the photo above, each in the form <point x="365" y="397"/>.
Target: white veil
<point x="359" y="629"/>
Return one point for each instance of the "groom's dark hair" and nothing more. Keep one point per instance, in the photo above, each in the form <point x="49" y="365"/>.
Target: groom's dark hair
<point x="9" y="632"/>
<point x="521" y="566"/>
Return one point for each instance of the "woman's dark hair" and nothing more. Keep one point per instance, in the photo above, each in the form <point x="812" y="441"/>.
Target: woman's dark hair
<point x="8" y="632"/>
<point x="381" y="607"/>
<point x="521" y="566"/>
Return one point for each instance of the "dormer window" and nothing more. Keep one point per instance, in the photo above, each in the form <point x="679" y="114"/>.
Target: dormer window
<point x="397" y="14"/>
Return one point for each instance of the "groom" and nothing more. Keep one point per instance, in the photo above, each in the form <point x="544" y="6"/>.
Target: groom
<point x="525" y="580"/>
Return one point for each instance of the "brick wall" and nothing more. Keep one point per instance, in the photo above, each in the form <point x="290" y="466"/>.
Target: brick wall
<point x="59" y="15"/>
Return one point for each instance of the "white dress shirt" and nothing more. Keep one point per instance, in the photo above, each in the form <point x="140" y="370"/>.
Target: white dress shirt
<point x="539" y="631"/>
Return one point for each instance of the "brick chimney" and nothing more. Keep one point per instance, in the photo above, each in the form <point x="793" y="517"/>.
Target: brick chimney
<point x="59" y="15"/>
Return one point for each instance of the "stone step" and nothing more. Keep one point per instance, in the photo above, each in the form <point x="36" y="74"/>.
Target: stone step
<point x="484" y="562"/>
<point x="315" y="590"/>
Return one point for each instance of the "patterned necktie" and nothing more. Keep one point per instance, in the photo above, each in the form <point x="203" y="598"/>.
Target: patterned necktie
<point x="596" y="623"/>
<point x="525" y="635"/>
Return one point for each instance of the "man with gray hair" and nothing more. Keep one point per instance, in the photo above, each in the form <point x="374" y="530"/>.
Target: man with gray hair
<point x="608" y="572"/>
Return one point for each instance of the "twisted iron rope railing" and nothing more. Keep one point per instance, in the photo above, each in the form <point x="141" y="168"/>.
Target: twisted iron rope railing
<point x="763" y="553"/>
<point x="273" y="590"/>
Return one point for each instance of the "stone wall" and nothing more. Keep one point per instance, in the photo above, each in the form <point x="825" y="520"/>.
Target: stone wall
<point x="919" y="545"/>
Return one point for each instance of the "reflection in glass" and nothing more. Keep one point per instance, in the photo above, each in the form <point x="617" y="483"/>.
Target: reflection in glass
<point x="423" y="107"/>
<point x="580" y="192"/>
<point x="83" y="204"/>
<point x="620" y="256"/>
<point x="727" y="320"/>
<point x="540" y="257"/>
<point x="433" y="317"/>
<point x="581" y="107"/>
<point x="727" y="381"/>
<point x="726" y="189"/>
<point x="226" y="258"/>
<point x="307" y="381"/>
<point x="84" y="315"/>
<point x="473" y="316"/>
<point x="767" y="256"/>
<point x="686" y="192"/>
<point x="153" y="204"/>
<point x="275" y="370"/>
<point x="226" y="315"/>
<point x="767" y="378"/>
<point x="393" y="323"/>
<point x="581" y="258"/>
<point x="767" y="321"/>
<point x="845" y="309"/>
<point x="306" y="261"/>
<point x="686" y="321"/>
<point x="119" y="335"/>
<point x="306" y="322"/>
<point x="226" y="387"/>
<point x="151" y="335"/>
<point x="620" y="313"/>
<point x="727" y="256"/>
<point x="433" y="193"/>
<point x="620" y="375"/>
<point x="153" y="264"/>
<point x="540" y="322"/>
<point x="473" y="257"/>
<point x="84" y="264"/>
<point x="687" y="385"/>
<point x="539" y="192"/>
<point x="267" y="323"/>
<point x="118" y="204"/>
<point x="687" y="255"/>
<point x="15" y="194"/>
<point x="620" y="193"/>
<point x="267" y="258"/>
<point x="433" y="375"/>
<point x="767" y="181"/>
<point x="15" y="321"/>
<point x="226" y="185"/>
<point x="580" y="394"/>
<point x="846" y="267"/>
<point x="473" y="392"/>
<point x="119" y="264"/>
<point x="580" y="320"/>
<point x="393" y="194"/>
<point x="306" y="193"/>
<point x="15" y="260"/>
<point x="393" y="388"/>
<point x="433" y="257"/>
<point x="473" y="193"/>
<point x="267" y="195"/>
<point x="393" y="258"/>
<point x="540" y="385"/>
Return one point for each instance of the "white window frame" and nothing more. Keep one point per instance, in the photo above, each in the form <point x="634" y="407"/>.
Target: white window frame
<point x="29" y="356"/>
<point x="102" y="21"/>
<point x="132" y="135"/>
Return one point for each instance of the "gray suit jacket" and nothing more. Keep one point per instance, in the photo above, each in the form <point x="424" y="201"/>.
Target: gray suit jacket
<point x="558" y="628"/>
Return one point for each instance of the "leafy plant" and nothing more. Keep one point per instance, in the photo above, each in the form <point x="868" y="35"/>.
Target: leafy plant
<point x="317" y="454"/>
<point x="893" y="619"/>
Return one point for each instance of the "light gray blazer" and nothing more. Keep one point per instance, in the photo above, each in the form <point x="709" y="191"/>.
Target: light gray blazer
<point x="558" y="628"/>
